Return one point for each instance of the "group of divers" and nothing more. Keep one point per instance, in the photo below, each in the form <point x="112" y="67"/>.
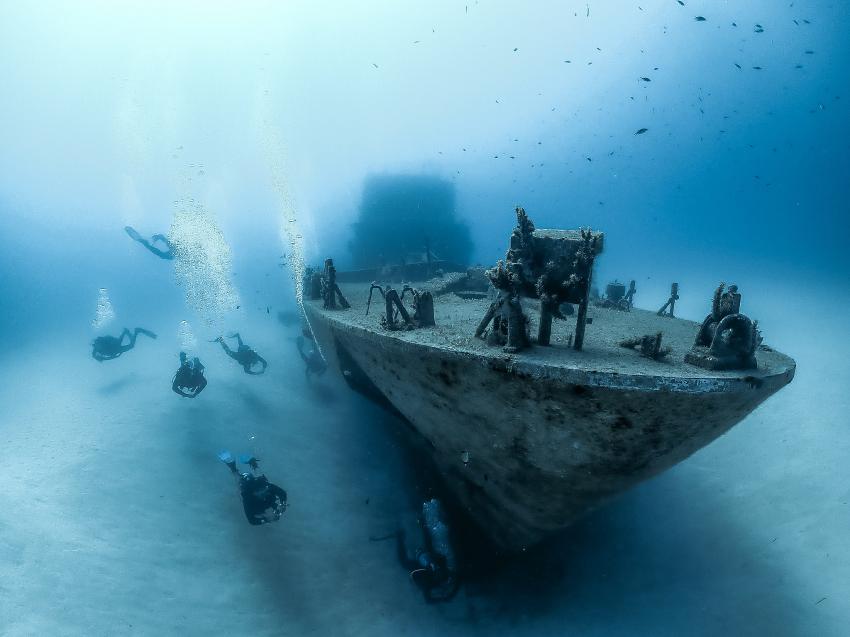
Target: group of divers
<point x="433" y="567"/>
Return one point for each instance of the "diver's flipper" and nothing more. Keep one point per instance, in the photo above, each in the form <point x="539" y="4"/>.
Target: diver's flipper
<point x="225" y="456"/>
<point x="421" y="577"/>
<point x="135" y="236"/>
<point x="147" y="333"/>
<point x="250" y="460"/>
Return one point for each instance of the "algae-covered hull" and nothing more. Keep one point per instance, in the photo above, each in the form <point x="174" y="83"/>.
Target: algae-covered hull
<point x="527" y="443"/>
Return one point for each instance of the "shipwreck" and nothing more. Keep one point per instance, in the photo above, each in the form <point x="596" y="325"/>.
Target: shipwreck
<point x="536" y="404"/>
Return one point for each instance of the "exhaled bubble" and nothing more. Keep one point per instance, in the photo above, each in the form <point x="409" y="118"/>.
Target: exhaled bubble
<point x="104" y="312"/>
<point x="202" y="263"/>
<point x="186" y="337"/>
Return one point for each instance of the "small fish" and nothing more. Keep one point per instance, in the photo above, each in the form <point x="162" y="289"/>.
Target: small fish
<point x="806" y="21"/>
<point x="641" y="131"/>
<point x="516" y="49"/>
<point x="680" y="2"/>
<point x="646" y="79"/>
<point x="809" y="52"/>
<point x="757" y="68"/>
<point x="699" y="18"/>
<point x="375" y="65"/>
<point x="734" y="24"/>
<point x="568" y="61"/>
<point x="738" y="65"/>
<point x="758" y="29"/>
<point x="797" y="23"/>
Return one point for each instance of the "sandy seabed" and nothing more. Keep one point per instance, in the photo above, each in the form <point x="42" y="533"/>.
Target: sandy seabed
<point x="116" y="518"/>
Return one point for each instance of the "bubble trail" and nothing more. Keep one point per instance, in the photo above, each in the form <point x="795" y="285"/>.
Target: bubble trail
<point x="203" y="263"/>
<point x="291" y="235"/>
<point x="104" y="313"/>
<point x="186" y="337"/>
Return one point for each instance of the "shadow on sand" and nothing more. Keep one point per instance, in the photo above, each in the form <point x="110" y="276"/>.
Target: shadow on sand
<point x="118" y="385"/>
<point x="649" y="562"/>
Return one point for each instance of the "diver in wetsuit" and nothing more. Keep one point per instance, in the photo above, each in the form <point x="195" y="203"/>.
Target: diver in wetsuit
<point x="433" y="568"/>
<point x="167" y="254"/>
<point x="313" y="360"/>
<point x="189" y="380"/>
<point x="105" y="348"/>
<point x="244" y="355"/>
<point x="262" y="501"/>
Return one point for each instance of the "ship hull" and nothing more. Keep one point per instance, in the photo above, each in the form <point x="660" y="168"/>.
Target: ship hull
<point x="526" y="448"/>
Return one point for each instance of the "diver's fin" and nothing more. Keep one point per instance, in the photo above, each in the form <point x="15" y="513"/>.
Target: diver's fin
<point x="135" y="236"/>
<point x="225" y="456"/>
<point x="420" y="577"/>
<point x="148" y="333"/>
<point x="250" y="460"/>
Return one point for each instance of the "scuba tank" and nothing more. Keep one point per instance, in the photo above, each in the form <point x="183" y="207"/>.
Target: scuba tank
<point x="439" y="544"/>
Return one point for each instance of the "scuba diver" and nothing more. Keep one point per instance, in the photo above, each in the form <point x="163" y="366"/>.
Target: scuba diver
<point x="168" y="253"/>
<point x="105" y="348"/>
<point x="189" y="380"/>
<point x="313" y="359"/>
<point x="262" y="501"/>
<point x="244" y="355"/>
<point x="434" y="567"/>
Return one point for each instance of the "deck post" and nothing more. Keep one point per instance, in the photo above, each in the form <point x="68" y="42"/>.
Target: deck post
<point x="544" y="329"/>
<point x="581" y="317"/>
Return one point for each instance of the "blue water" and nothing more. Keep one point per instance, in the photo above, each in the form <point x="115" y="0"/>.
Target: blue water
<point x="268" y="121"/>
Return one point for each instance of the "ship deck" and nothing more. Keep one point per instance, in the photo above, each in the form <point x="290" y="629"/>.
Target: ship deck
<point x="602" y="359"/>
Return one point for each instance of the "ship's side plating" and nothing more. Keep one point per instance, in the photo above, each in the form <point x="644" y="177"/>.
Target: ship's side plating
<point x="527" y="448"/>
